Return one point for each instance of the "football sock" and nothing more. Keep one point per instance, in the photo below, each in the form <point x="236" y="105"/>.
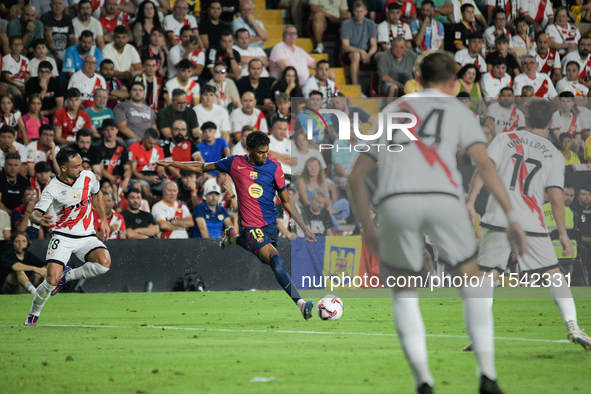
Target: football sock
<point x="30" y="288"/>
<point x="88" y="270"/>
<point x="480" y="325"/>
<point x="278" y="267"/>
<point x="563" y="299"/>
<point x="411" y="331"/>
<point x="43" y="292"/>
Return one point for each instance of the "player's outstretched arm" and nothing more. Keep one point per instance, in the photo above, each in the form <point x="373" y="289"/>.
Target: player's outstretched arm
<point x="193" y="166"/>
<point x="286" y="202"/>
<point x="99" y="205"/>
<point x="556" y="197"/>
<point x="493" y="182"/>
<point x="363" y="165"/>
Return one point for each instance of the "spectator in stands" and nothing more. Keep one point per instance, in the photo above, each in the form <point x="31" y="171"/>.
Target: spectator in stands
<point x="152" y="82"/>
<point x="88" y="152"/>
<point x="283" y="111"/>
<point x="468" y="78"/>
<point x="499" y="27"/>
<point x="188" y="189"/>
<point x="547" y="58"/>
<point x="464" y="29"/>
<point x="566" y="142"/>
<point x="582" y="56"/>
<point x="87" y="81"/>
<point x="316" y="215"/>
<point x="67" y="121"/>
<point x="249" y="52"/>
<point x="134" y="117"/>
<point x="41" y="150"/>
<point x="139" y="224"/>
<point x="225" y="89"/>
<point x="286" y="53"/>
<point x="537" y="13"/>
<point x="570" y="82"/>
<point x="111" y="19"/>
<point x="8" y="144"/>
<point x="302" y="153"/>
<point x="26" y="269"/>
<point x="48" y="88"/>
<point x="143" y="156"/>
<point x="183" y="81"/>
<point x="229" y="9"/>
<point x="98" y="112"/>
<point x="521" y="41"/>
<point x="212" y="149"/>
<point x="359" y="40"/>
<point x="208" y="111"/>
<point x="178" y="110"/>
<point x="228" y="192"/>
<point x="240" y="147"/>
<point x="115" y="220"/>
<point x="321" y="82"/>
<point x="157" y="50"/>
<point x="540" y="82"/>
<point x="210" y="217"/>
<point x="340" y="102"/>
<point x="85" y="22"/>
<point x="58" y="30"/>
<point x="495" y="80"/>
<point x="288" y="83"/>
<point x="565" y="120"/>
<point x="427" y="32"/>
<point x="502" y="52"/>
<point x="280" y="147"/>
<point x="39" y="47"/>
<point x="9" y="113"/>
<point x="27" y="26"/>
<point x="146" y="20"/>
<point x="116" y="89"/>
<point x="179" y="18"/>
<point x="255" y="28"/>
<point x="125" y="57"/>
<point x="15" y="68"/>
<point x="29" y="123"/>
<point x="311" y="177"/>
<point x="113" y="155"/>
<point x="76" y="54"/>
<point x="248" y="114"/>
<point x="395" y="68"/>
<point x="211" y="27"/>
<point x="327" y="17"/>
<point x="12" y="184"/>
<point x="225" y="53"/>
<point x="393" y="27"/>
<point x="172" y="217"/>
<point x="471" y="54"/>
<point x="179" y="147"/>
<point x="21" y="215"/>
<point x="319" y="135"/>
<point x="563" y="36"/>
<point x="41" y="177"/>
<point x="188" y="49"/>
<point x="259" y="87"/>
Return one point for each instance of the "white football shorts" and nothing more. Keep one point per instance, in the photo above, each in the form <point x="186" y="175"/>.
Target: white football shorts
<point x="60" y="247"/>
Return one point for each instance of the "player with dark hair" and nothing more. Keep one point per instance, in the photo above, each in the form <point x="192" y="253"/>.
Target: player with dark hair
<point x="72" y="194"/>
<point x="257" y="177"/>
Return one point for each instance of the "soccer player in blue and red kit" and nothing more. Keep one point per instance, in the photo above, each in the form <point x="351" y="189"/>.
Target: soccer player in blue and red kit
<point x="257" y="177"/>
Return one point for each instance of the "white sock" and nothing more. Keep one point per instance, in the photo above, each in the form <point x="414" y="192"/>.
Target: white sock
<point x="411" y="331"/>
<point x="43" y="292"/>
<point x="320" y="47"/>
<point x="88" y="270"/>
<point x="30" y="288"/>
<point x="563" y="298"/>
<point x="480" y="325"/>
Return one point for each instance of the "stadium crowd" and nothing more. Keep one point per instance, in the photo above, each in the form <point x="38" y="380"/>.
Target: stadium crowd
<point x="128" y="83"/>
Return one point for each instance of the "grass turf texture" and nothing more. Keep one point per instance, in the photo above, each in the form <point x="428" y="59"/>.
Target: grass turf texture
<point x="199" y="356"/>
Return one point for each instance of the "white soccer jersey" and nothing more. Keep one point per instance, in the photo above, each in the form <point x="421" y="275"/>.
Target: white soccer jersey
<point x="87" y="86"/>
<point x="117" y="220"/>
<point x="527" y="164"/>
<point x="251" y="51"/>
<point x="569" y="35"/>
<point x="73" y="204"/>
<point x="329" y="89"/>
<point x="175" y="55"/>
<point x="20" y="149"/>
<point x="506" y="119"/>
<point x="572" y="125"/>
<point x="491" y="86"/>
<point x="536" y="11"/>
<point x="387" y="32"/>
<point x="463" y="57"/>
<point x="35" y="153"/>
<point x="542" y="85"/>
<point x="163" y="212"/>
<point x="172" y="25"/>
<point x="191" y="88"/>
<point x="17" y="70"/>
<point x="584" y="64"/>
<point x="489" y="38"/>
<point x="576" y="88"/>
<point x="256" y="119"/>
<point x="547" y="64"/>
<point x="217" y="115"/>
<point x="428" y="165"/>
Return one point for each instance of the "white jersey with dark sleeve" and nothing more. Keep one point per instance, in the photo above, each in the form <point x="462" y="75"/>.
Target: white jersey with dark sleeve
<point x="528" y="164"/>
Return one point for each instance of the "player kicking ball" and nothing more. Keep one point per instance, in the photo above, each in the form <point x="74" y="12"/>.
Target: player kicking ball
<point x="72" y="194"/>
<point x="529" y="165"/>
<point x="257" y="177"/>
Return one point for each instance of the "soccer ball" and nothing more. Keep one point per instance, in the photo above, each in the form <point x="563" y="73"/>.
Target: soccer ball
<point x="330" y="307"/>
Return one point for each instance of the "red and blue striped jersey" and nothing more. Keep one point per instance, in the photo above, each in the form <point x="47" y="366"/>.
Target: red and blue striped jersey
<point x="255" y="188"/>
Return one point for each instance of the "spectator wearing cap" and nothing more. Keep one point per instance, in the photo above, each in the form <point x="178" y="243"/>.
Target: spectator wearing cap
<point x="395" y="68"/>
<point x="210" y="217"/>
<point x="48" y="88"/>
<point x="178" y="110"/>
<point x="471" y="54"/>
<point x="502" y="52"/>
<point x="465" y="28"/>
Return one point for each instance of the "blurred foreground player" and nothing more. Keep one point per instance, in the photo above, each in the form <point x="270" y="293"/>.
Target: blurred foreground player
<point x="256" y="178"/>
<point x="72" y="194"/>
<point x="530" y="166"/>
<point x="420" y="192"/>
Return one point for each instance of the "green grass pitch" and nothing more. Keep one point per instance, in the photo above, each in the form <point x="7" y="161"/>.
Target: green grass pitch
<point x="257" y="342"/>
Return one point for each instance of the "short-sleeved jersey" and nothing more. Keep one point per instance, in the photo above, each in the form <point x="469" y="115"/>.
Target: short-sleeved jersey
<point x="114" y="219"/>
<point x="17" y="69"/>
<point x="191" y="88"/>
<point x="163" y="212"/>
<point x="146" y="159"/>
<point x="70" y="126"/>
<point x="542" y="85"/>
<point x="186" y="151"/>
<point x="427" y="165"/>
<point x="573" y="124"/>
<point x="256" y="119"/>
<point x="174" y="26"/>
<point x="576" y="88"/>
<point x="527" y="164"/>
<point x="72" y="204"/>
<point x="87" y="86"/>
<point x="506" y="119"/>
<point x="36" y="153"/>
<point x="255" y="187"/>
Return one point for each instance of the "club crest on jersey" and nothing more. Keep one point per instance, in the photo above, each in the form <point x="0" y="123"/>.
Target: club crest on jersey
<point x="76" y="196"/>
<point x="220" y="217"/>
<point x="253" y="175"/>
